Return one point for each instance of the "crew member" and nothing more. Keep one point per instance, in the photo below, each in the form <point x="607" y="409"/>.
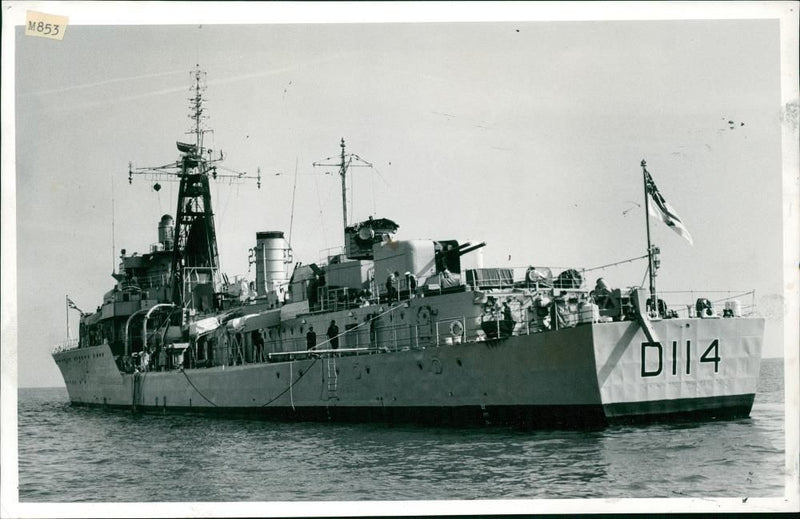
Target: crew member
<point x="258" y="342"/>
<point x="507" y="315"/>
<point x="411" y="282"/>
<point x="311" y="338"/>
<point x="333" y="335"/>
<point x="162" y="359"/>
<point x="601" y="291"/>
<point x="391" y="291"/>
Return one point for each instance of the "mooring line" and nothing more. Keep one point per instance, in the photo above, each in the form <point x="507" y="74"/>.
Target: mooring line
<point x="198" y="391"/>
<point x="291" y="385"/>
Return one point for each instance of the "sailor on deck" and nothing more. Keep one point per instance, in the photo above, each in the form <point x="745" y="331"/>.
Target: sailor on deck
<point x="411" y="283"/>
<point x="333" y="335"/>
<point x="311" y="338"/>
<point x="162" y="359"/>
<point x="258" y="344"/>
<point x="507" y="315"/>
<point x="391" y="290"/>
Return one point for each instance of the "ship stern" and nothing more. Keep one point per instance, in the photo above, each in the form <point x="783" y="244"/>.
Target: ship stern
<point x="688" y="369"/>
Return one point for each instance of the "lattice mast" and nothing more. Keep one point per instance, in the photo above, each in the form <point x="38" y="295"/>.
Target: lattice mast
<point x="195" y="258"/>
<point x="195" y="252"/>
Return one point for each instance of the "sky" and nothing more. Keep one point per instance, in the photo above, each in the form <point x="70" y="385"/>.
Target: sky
<point x="525" y="134"/>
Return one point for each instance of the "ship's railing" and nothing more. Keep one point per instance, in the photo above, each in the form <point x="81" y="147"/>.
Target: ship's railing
<point x="333" y="299"/>
<point x="532" y="277"/>
<point x="379" y="338"/>
<point x="451" y="331"/>
<point x="684" y="302"/>
<point x="69" y="344"/>
<point x="385" y="338"/>
<point x="363" y="339"/>
<point x="151" y="281"/>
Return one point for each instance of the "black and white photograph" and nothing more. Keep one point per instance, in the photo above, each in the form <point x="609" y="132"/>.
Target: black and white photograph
<point x="381" y="258"/>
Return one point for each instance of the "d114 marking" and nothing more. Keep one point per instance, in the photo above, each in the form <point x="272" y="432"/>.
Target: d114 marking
<point x="656" y="350"/>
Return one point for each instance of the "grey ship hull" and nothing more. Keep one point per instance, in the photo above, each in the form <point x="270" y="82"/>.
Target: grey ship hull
<point x="592" y="374"/>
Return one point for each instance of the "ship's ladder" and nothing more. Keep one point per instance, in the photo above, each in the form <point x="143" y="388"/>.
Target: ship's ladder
<point x="333" y="376"/>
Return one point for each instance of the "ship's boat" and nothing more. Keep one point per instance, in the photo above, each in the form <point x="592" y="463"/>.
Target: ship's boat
<point x="397" y="330"/>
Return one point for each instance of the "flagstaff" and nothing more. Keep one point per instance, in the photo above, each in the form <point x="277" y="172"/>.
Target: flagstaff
<point x="667" y="214"/>
<point x="650" y="270"/>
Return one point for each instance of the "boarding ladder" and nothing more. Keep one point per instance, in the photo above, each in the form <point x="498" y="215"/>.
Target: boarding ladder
<point x="333" y="376"/>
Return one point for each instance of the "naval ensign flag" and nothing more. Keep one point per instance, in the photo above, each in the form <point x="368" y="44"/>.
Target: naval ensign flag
<point x="661" y="209"/>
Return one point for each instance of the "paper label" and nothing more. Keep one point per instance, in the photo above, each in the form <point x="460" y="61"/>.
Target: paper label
<point x="45" y="25"/>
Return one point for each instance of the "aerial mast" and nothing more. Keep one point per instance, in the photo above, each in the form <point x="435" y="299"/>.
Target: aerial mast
<point x="346" y="161"/>
<point x="196" y="113"/>
<point x="342" y="173"/>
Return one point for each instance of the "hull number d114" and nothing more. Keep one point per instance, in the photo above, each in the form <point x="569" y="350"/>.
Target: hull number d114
<point x="653" y="358"/>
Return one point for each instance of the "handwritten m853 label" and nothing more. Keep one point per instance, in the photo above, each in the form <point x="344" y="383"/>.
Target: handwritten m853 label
<point x="45" y="25"/>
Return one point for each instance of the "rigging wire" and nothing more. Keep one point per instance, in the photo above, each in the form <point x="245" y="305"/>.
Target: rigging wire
<point x="224" y="208"/>
<point x="321" y="218"/>
<point x="294" y="192"/>
<point x="381" y="177"/>
<point x="352" y="199"/>
<point x="646" y="271"/>
<point x="372" y="188"/>
<point x="113" y="238"/>
<point x="615" y="263"/>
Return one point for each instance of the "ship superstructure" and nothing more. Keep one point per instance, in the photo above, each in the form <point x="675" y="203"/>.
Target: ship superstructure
<point x="396" y="329"/>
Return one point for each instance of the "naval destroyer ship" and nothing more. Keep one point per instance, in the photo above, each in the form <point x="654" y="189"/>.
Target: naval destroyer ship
<point x="396" y="330"/>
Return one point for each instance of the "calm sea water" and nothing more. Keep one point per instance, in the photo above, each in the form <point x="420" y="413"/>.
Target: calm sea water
<point x="71" y="454"/>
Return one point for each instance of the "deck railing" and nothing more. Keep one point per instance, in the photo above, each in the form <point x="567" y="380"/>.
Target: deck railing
<point x="69" y="344"/>
<point x="371" y="336"/>
<point x="528" y="277"/>
<point x="677" y="300"/>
